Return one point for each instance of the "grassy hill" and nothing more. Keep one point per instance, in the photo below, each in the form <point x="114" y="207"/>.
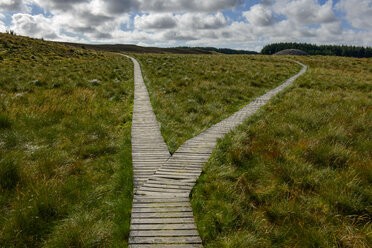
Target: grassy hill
<point x="298" y="174"/>
<point x="65" y="151"/>
<point x="157" y="50"/>
<point x="139" y="49"/>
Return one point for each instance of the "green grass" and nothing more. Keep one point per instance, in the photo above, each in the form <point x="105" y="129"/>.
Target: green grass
<point x="190" y="93"/>
<point x="298" y="173"/>
<point x="65" y="149"/>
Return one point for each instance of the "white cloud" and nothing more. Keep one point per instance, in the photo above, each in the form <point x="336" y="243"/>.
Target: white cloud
<point x="306" y="11"/>
<point x="358" y="12"/>
<point x="198" y="21"/>
<point x="35" y="26"/>
<point x="155" y="21"/>
<point x="2" y="27"/>
<point x="259" y="15"/>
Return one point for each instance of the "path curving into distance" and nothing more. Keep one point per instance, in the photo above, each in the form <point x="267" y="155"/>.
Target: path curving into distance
<point x="162" y="216"/>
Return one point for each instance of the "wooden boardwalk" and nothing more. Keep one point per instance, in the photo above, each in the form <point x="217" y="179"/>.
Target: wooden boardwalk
<point x="162" y="215"/>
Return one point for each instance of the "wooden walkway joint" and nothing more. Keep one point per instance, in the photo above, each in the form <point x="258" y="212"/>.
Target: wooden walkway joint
<point x="162" y="216"/>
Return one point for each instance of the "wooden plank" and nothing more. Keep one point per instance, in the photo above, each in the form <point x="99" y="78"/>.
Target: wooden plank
<point x="154" y="233"/>
<point x="163" y="221"/>
<point x="139" y="199"/>
<point x="163" y="210"/>
<point x="161" y="204"/>
<point x="163" y="215"/>
<point x="165" y="240"/>
<point x="163" y="227"/>
<point x="150" y="190"/>
<point x="169" y="186"/>
<point x="165" y="246"/>
<point x="160" y="194"/>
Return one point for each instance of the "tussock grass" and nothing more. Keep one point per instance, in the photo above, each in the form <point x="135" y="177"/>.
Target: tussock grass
<point x="65" y="150"/>
<point x="191" y="92"/>
<point x="298" y="173"/>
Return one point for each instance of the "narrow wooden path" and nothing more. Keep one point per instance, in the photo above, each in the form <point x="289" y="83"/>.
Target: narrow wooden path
<point x="149" y="150"/>
<point x="162" y="215"/>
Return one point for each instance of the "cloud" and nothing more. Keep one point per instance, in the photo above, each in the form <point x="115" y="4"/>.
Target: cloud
<point x="34" y="26"/>
<point x="155" y="21"/>
<point x="125" y="6"/>
<point x="178" y="35"/>
<point x="13" y="5"/>
<point x="202" y="21"/>
<point x="306" y="11"/>
<point x="187" y="21"/>
<point x="121" y="6"/>
<point x="59" y="5"/>
<point x="2" y="27"/>
<point x="259" y="15"/>
<point x="358" y="12"/>
<point x="187" y="5"/>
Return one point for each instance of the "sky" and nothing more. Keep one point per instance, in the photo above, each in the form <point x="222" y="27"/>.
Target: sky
<point x="237" y="24"/>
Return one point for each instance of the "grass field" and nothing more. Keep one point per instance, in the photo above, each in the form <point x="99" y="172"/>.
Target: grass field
<point x="298" y="173"/>
<point x="65" y="150"/>
<point x="190" y="93"/>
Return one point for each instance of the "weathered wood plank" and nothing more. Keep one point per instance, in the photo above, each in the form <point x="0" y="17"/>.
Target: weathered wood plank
<point x="163" y="215"/>
<point x="163" y="210"/>
<point x="163" y="221"/>
<point x="165" y="246"/>
<point x="162" y="233"/>
<point x="165" y="240"/>
<point x="163" y="227"/>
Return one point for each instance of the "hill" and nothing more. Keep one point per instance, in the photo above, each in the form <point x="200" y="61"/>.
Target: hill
<point x="139" y="49"/>
<point x="291" y="52"/>
<point x="158" y="50"/>
<point x="311" y="49"/>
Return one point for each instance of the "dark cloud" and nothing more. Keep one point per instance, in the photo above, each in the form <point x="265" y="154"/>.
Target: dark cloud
<point x="155" y="21"/>
<point x="188" y="5"/>
<point x="12" y="6"/>
<point x="174" y="35"/>
<point x="207" y="21"/>
<point x="59" y="5"/>
<point x="94" y="19"/>
<point x="121" y="6"/>
<point x="99" y="35"/>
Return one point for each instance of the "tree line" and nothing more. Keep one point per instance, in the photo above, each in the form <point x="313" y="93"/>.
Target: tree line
<point x="311" y="49"/>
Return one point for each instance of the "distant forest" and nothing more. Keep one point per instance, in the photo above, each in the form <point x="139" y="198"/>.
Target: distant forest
<point x="346" y="51"/>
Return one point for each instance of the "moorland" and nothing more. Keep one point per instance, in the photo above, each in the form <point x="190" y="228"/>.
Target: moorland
<point x="296" y="174"/>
